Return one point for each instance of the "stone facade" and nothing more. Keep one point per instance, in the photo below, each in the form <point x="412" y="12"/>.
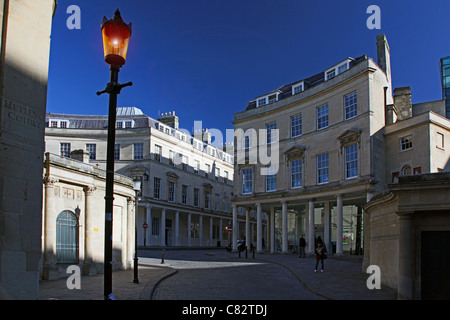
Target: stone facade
<point x="74" y="217"/>
<point x="399" y="220"/>
<point x="187" y="184"/>
<point x="25" y="44"/>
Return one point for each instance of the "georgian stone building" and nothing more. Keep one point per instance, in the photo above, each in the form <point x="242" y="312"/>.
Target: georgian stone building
<point x="187" y="183"/>
<point x="336" y="139"/>
<point x="73" y="217"/>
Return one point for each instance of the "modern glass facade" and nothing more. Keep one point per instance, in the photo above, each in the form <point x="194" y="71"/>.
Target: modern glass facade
<point x="445" y="76"/>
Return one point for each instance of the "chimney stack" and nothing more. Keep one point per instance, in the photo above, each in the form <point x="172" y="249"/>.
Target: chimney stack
<point x="384" y="55"/>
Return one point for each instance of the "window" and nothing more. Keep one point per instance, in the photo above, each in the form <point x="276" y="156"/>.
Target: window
<point x="261" y="102"/>
<point x="322" y="117"/>
<point x="440" y="140"/>
<point x="342" y="67"/>
<point x="155" y="226"/>
<point x="271" y="127"/>
<point x="322" y="168"/>
<point x="297" y="88"/>
<point x="351" y="161"/>
<point x="53" y="124"/>
<point x="296" y="173"/>
<point x="296" y="125"/>
<point x="117" y="151"/>
<point x="247" y="184"/>
<point x="226" y="177"/>
<point x="271" y="179"/>
<point x="184" y="191"/>
<point x="208" y="170"/>
<point x="273" y="98"/>
<point x="156" y="188"/>
<point x="405" y="143"/>
<point x="171" y="192"/>
<point x="138" y="151"/>
<point x="217" y="174"/>
<point x="158" y="153"/>
<point x="196" y="166"/>
<point x="171" y="158"/>
<point x="406" y="170"/>
<point x="207" y="199"/>
<point x="65" y="150"/>
<point x="350" y="106"/>
<point x="128" y="124"/>
<point x="185" y="163"/>
<point x="330" y="74"/>
<point x="196" y="197"/>
<point x="92" y="149"/>
<point x="119" y="125"/>
<point x="63" y="124"/>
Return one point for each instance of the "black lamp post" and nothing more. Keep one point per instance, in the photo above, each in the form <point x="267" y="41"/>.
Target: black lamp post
<point x="137" y="188"/>
<point x="116" y="36"/>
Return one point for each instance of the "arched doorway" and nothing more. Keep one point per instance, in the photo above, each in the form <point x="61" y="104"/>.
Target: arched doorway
<point x="67" y="237"/>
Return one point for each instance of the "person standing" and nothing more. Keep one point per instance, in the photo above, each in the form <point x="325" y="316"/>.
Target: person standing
<point x="321" y="254"/>
<point x="302" y="245"/>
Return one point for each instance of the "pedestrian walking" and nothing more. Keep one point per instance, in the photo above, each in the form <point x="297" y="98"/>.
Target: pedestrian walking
<point x="321" y="253"/>
<point x="302" y="245"/>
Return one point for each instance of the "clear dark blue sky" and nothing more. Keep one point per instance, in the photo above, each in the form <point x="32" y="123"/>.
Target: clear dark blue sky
<point x="206" y="59"/>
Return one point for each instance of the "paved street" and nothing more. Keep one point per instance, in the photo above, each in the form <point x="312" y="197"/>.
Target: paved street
<point x="215" y="274"/>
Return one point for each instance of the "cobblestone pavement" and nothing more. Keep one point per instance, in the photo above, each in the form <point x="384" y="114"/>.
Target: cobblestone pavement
<point x="219" y="275"/>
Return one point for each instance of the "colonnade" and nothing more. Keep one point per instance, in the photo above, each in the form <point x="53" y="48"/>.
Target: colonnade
<point x="310" y="232"/>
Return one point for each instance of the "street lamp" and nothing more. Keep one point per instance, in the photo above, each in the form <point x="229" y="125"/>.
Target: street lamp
<point x="137" y="188"/>
<point x="116" y="36"/>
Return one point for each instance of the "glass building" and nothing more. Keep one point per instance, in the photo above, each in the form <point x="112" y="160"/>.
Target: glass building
<point x="445" y="75"/>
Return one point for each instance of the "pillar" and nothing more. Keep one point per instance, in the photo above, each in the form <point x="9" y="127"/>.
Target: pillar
<point x="89" y="237"/>
<point x="189" y="235"/>
<point x="200" y="230"/>
<point x="311" y="239"/>
<point x="272" y="229"/>
<point x="235" y="228"/>
<point x="211" y="231"/>
<point x="148" y="231"/>
<point x="284" y="226"/>
<point x="49" y="269"/>
<point x="163" y="227"/>
<point x="248" y="238"/>
<point x="339" y="226"/>
<point x="326" y="227"/>
<point x="220" y="230"/>
<point x="405" y="258"/>
<point x="177" y="228"/>
<point x="259" y="232"/>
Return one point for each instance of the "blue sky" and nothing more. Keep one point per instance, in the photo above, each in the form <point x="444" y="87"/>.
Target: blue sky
<point x="206" y="59"/>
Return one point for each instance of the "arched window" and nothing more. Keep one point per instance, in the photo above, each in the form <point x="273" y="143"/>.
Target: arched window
<point x="66" y="237"/>
<point x="406" y="170"/>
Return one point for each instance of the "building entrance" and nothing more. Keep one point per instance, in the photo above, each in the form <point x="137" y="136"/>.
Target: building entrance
<point x="435" y="259"/>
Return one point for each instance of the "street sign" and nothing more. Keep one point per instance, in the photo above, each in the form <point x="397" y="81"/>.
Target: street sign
<point x="229" y="229"/>
<point x="144" y="225"/>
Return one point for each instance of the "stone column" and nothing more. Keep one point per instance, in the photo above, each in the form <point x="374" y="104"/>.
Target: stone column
<point x="50" y="271"/>
<point x="211" y="231"/>
<point x="89" y="237"/>
<point x="189" y="221"/>
<point x="177" y="228"/>
<point x="163" y="227"/>
<point x="326" y="226"/>
<point x="311" y="239"/>
<point x="235" y="228"/>
<point x="339" y="226"/>
<point x="220" y="231"/>
<point x="248" y="236"/>
<point x="259" y="232"/>
<point x="284" y="226"/>
<point x="272" y="229"/>
<point x="148" y="232"/>
<point x="405" y="258"/>
<point x="200" y="230"/>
